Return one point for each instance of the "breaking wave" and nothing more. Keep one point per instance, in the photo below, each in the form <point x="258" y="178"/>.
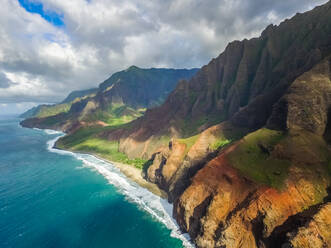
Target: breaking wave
<point x="159" y="208"/>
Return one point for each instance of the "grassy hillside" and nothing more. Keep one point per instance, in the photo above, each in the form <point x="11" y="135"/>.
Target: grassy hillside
<point x="115" y="114"/>
<point x="45" y="110"/>
<point x="88" y="140"/>
<point x="80" y="94"/>
<point x="51" y="110"/>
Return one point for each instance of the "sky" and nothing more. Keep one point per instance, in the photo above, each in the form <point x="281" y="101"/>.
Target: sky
<point x="50" y="47"/>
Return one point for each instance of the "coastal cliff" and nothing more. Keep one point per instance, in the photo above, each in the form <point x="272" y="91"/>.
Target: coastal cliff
<point x="268" y="189"/>
<point x="243" y="148"/>
<point x="261" y="178"/>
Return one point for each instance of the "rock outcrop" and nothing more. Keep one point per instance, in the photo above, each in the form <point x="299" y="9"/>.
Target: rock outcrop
<point x="254" y="192"/>
<point x="227" y="205"/>
<point x="307" y="102"/>
<point x="316" y="232"/>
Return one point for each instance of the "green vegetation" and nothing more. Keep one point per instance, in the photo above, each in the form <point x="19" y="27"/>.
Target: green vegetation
<point x="219" y="144"/>
<point x="189" y="142"/>
<point x="46" y="111"/>
<point x="191" y="127"/>
<point x="192" y="97"/>
<point x="42" y="111"/>
<point x="158" y="80"/>
<point x="87" y="140"/>
<point x="108" y="150"/>
<point x="308" y="147"/>
<point x="253" y="159"/>
<point x="80" y="136"/>
<point x="161" y="141"/>
<point x="52" y="121"/>
<point x="80" y="94"/>
<point x="116" y="114"/>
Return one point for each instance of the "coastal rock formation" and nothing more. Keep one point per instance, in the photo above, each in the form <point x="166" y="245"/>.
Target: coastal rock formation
<point x="174" y="165"/>
<point x="252" y="192"/>
<point x="227" y="205"/>
<point x="316" y="232"/>
<point x="243" y="148"/>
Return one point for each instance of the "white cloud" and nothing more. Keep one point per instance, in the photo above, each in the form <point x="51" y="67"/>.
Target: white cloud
<point x="45" y="62"/>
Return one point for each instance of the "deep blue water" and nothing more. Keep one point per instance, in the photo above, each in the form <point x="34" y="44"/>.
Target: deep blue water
<point x="57" y="200"/>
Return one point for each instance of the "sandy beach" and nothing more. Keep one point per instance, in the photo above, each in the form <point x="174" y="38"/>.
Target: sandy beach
<point x="131" y="172"/>
<point x="134" y="174"/>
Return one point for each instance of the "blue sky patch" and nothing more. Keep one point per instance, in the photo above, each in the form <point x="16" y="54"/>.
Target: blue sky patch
<point x="38" y="8"/>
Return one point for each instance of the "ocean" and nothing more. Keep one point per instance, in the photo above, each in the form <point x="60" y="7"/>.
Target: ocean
<point x="52" y="198"/>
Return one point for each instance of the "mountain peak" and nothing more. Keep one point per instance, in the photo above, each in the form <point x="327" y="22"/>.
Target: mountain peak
<point x="133" y="67"/>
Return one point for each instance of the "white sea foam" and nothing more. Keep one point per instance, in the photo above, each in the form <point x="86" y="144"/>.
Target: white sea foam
<point x="159" y="208"/>
<point x="49" y="131"/>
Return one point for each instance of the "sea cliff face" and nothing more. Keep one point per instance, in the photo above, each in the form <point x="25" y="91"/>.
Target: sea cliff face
<point x="264" y="190"/>
<point x="243" y="148"/>
<point x="233" y="206"/>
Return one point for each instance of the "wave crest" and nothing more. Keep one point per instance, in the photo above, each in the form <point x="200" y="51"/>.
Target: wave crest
<point x="159" y="208"/>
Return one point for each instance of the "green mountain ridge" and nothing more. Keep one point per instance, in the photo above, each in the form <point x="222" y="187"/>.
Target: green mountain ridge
<point x="46" y="110"/>
<point x="242" y="148"/>
<point x="79" y="94"/>
<point x="120" y="99"/>
<point x="152" y="86"/>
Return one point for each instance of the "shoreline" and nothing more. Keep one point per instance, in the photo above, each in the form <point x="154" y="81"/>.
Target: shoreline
<point x="131" y="172"/>
<point x="134" y="174"/>
<point x="160" y="203"/>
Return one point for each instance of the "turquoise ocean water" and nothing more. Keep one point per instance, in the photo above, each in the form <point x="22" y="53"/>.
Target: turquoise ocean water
<point x="51" y="198"/>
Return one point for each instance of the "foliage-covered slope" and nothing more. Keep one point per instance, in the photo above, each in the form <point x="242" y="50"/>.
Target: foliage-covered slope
<point x="242" y="84"/>
<point x="261" y="176"/>
<point x="46" y="110"/>
<point x="271" y="188"/>
<point x="120" y="99"/>
<point x="142" y="88"/>
<point x="79" y="94"/>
